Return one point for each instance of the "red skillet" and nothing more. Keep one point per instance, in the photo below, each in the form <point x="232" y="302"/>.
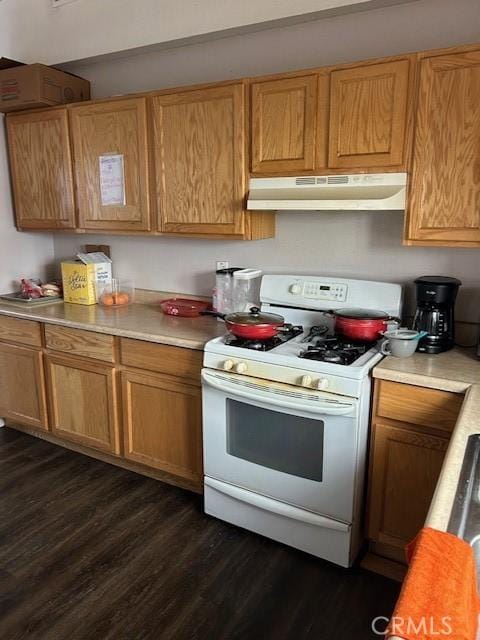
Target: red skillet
<point x="252" y="325"/>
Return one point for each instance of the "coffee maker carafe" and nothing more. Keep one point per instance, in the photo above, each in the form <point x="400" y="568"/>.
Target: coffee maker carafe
<point x="435" y="312"/>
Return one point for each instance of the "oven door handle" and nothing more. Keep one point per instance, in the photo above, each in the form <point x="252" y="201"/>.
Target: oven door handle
<point x="298" y="404"/>
<point x="275" y="506"/>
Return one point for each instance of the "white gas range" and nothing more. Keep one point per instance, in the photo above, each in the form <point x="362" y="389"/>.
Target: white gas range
<point x="286" y="422"/>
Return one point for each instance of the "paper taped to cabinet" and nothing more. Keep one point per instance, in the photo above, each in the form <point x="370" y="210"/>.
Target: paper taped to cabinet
<point x="112" y="179"/>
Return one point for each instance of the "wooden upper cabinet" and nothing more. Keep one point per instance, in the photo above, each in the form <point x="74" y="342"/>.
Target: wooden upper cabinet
<point x="200" y="160"/>
<point x="114" y="128"/>
<point x="444" y="194"/>
<point x="41" y="169"/>
<point x="368" y="116"/>
<point x="284" y="117"/>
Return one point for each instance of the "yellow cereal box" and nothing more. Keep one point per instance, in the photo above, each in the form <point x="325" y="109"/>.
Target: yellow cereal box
<point x="80" y="279"/>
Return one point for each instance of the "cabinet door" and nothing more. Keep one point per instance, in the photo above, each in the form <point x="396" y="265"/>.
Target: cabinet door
<point x="405" y="469"/>
<point x="444" y="204"/>
<point x="283" y="124"/>
<point x="22" y="386"/>
<point x="163" y="424"/>
<point x="111" y="165"/>
<point x="41" y="169"/>
<point x="200" y="160"/>
<point x="83" y="402"/>
<point x="368" y="115"/>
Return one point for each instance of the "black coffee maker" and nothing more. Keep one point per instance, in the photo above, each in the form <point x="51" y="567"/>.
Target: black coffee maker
<point x="435" y="312"/>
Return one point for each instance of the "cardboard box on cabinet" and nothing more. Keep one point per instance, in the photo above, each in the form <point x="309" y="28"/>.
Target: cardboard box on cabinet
<point x="27" y="86"/>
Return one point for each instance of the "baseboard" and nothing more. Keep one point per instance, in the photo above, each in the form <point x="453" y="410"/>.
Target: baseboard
<point x="109" y="458"/>
<point x="384" y="566"/>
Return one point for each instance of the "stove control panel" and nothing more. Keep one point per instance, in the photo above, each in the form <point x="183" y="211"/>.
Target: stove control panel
<point x="336" y="291"/>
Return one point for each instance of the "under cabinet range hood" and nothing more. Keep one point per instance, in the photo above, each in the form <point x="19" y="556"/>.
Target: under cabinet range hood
<point x="361" y="192"/>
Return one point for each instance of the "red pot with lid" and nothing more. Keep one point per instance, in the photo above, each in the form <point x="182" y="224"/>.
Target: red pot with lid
<point x="251" y="325"/>
<point x="361" y="324"/>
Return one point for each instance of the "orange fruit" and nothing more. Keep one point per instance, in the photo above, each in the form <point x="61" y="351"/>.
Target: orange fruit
<point x="120" y="298"/>
<point x="107" y="300"/>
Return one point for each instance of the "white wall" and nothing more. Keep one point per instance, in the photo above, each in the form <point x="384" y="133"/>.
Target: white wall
<point x="425" y="24"/>
<point x="34" y="31"/>
<point x="21" y="254"/>
<point x="350" y="244"/>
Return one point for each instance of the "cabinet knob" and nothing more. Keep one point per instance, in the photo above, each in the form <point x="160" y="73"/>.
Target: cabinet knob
<point x="241" y="367"/>
<point x="228" y="365"/>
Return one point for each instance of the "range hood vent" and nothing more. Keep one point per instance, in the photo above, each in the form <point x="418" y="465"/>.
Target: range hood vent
<point x="361" y="192"/>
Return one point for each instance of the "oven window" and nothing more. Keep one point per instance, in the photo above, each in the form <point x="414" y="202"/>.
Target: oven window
<point x="279" y="441"/>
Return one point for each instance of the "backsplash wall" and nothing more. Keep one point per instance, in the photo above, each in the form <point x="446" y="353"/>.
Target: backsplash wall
<point x="363" y="245"/>
<point x="358" y="245"/>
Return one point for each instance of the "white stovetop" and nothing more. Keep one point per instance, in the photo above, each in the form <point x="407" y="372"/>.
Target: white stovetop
<point x="287" y="355"/>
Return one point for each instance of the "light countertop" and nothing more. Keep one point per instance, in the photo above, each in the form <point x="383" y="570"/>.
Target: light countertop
<point x="458" y="371"/>
<point x="454" y="370"/>
<point x="142" y="321"/>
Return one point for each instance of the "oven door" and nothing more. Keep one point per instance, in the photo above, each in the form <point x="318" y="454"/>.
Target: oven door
<point x="281" y="441"/>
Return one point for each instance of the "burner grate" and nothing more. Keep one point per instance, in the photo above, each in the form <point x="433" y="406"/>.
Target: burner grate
<point x="334" y="349"/>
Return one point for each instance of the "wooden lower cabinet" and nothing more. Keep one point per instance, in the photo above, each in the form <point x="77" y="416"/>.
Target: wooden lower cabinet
<point x="406" y="466"/>
<point x="22" y="386"/>
<point x="163" y="423"/>
<point x="84" y="402"/>
<point x="73" y="388"/>
<point x="411" y="432"/>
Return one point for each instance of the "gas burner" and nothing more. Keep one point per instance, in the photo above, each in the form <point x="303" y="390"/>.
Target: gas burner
<point x="334" y="356"/>
<point x="335" y="349"/>
<point x="286" y="333"/>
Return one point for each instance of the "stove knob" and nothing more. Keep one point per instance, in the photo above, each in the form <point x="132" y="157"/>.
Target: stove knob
<point x="241" y="367"/>
<point x="296" y="289"/>
<point x="306" y="381"/>
<point x="228" y="365"/>
<point x="323" y="384"/>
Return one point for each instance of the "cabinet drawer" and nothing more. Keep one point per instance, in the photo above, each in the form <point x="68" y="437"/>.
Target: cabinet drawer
<point x="175" y="361"/>
<point x="419" y="405"/>
<point x="21" y="331"/>
<point x="88" y="344"/>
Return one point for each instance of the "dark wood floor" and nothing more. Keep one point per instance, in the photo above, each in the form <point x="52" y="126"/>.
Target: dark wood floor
<point x="91" y="551"/>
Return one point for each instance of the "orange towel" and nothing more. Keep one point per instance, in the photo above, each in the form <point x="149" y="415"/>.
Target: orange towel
<point x="439" y="596"/>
